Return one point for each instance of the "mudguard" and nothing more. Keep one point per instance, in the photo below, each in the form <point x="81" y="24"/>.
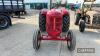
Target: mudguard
<point x="65" y="12"/>
<point x="43" y="11"/>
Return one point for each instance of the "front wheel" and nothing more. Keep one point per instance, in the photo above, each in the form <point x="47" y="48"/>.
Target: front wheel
<point x="71" y="42"/>
<point x="36" y="39"/>
<point x="82" y="26"/>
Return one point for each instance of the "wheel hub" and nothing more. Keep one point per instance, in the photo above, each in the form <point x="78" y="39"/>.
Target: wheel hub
<point x="38" y="40"/>
<point x="69" y="40"/>
<point x="3" y="22"/>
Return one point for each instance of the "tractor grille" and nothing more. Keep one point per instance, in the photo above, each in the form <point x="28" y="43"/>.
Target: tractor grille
<point x="54" y="25"/>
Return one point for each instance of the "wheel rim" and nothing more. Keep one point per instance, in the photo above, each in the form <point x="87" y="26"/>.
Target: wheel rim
<point x="3" y="22"/>
<point x="69" y="41"/>
<point x="38" y="40"/>
<point x="34" y="43"/>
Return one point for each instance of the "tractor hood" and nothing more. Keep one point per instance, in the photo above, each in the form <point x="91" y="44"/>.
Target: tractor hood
<point x="62" y="11"/>
<point x="54" y="22"/>
<point x="54" y="12"/>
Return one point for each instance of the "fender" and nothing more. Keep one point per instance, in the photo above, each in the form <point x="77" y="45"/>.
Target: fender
<point x="65" y="12"/>
<point x="43" y="11"/>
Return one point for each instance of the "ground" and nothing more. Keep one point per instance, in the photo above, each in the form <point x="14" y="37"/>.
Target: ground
<point x="17" y="40"/>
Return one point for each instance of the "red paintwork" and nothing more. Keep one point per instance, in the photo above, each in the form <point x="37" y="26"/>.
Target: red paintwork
<point x="44" y="11"/>
<point x="54" y="22"/>
<point x="44" y="37"/>
<point x="54" y="19"/>
<point x="65" y="12"/>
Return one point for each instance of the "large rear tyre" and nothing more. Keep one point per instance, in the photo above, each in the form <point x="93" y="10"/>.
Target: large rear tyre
<point x="71" y="42"/>
<point x="42" y="23"/>
<point x="66" y="23"/>
<point x="82" y="26"/>
<point x="36" y="39"/>
<point x="4" y="22"/>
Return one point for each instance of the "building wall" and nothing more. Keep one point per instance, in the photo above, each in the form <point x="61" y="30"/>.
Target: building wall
<point x="36" y="4"/>
<point x="36" y="1"/>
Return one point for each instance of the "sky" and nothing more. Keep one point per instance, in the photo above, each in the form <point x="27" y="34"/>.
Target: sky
<point x="80" y="1"/>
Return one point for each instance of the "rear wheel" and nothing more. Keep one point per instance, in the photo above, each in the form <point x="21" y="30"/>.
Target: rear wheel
<point x="66" y="23"/>
<point x="36" y="39"/>
<point x="4" y="22"/>
<point x="82" y="26"/>
<point x="42" y="23"/>
<point x="71" y="42"/>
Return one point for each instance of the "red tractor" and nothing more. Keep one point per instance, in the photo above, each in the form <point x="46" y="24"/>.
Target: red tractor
<point x="54" y="25"/>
